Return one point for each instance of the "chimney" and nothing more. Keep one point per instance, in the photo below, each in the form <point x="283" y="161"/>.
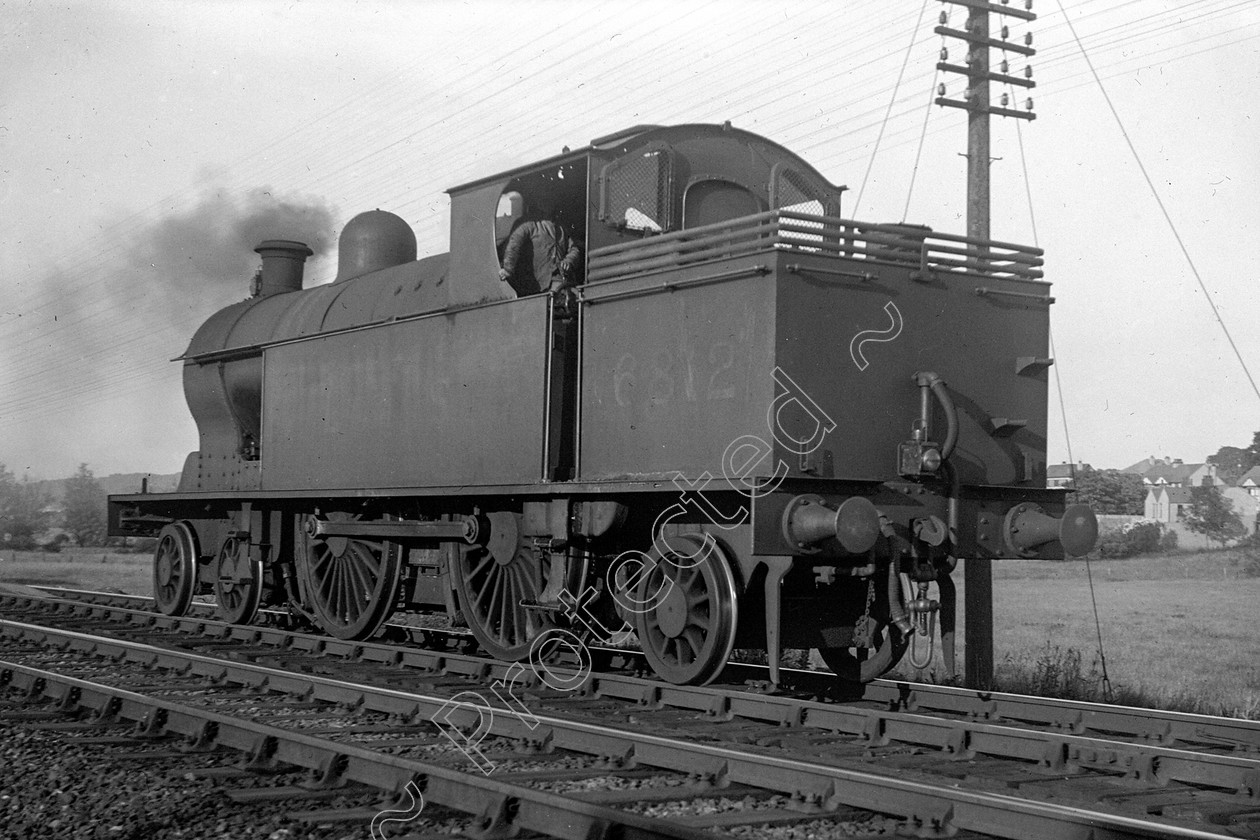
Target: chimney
<point x="282" y="261"/>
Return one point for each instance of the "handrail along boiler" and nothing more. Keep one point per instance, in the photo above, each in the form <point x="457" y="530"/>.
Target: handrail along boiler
<point x="761" y="425"/>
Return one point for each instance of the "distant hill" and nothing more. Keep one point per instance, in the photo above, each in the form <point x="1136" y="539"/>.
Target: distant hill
<point x="55" y="488"/>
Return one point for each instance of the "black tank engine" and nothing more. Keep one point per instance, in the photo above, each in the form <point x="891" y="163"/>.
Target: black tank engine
<point x="755" y="424"/>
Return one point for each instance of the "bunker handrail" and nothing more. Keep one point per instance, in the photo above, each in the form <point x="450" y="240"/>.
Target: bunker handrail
<point x="933" y="255"/>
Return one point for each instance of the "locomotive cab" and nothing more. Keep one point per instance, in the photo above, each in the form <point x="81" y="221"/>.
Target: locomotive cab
<point x="627" y="186"/>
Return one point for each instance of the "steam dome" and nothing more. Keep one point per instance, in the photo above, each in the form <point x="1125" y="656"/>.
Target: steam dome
<point x="372" y="241"/>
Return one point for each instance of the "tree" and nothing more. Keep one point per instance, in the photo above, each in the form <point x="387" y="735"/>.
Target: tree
<point x="1212" y="515"/>
<point x="85" y="508"/>
<point x="1231" y="461"/>
<point x="1111" y="491"/>
<point x="22" y="514"/>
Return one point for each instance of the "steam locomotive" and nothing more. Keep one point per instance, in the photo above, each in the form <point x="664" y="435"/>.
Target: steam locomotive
<point x="760" y="424"/>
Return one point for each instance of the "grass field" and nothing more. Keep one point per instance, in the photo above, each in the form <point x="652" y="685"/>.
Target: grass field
<point x="97" y="569"/>
<point x="1179" y="631"/>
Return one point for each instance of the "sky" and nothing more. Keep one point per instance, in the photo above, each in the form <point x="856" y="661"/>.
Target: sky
<point x="146" y="147"/>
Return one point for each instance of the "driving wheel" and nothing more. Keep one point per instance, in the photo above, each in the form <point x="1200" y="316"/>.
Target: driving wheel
<point x="492" y="581"/>
<point x="689" y="612"/>
<point x="351" y="584"/>
<point x="238" y="581"/>
<point x="175" y="568"/>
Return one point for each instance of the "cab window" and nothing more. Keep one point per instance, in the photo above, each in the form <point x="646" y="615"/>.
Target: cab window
<point x="635" y="192"/>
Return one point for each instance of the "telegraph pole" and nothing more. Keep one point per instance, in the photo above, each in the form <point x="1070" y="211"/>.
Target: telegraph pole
<point x="978" y="573"/>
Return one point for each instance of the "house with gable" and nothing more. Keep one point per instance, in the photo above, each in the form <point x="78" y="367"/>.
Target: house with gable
<point x="1167" y="504"/>
<point x="1173" y="472"/>
<point x="1178" y="474"/>
<point x="1246" y="505"/>
<point x="1064" y="474"/>
<point x="1168" y="484"/>
<point x="1250" y="482"/>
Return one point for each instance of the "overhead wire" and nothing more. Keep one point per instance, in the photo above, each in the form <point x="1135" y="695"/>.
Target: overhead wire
<point x="1058" y="384"/>
<point x="69" y="323"/>
<point x="901" y="74"/>
<point x="437" y="163"/>
<point x="918" y="153"/>
<point x="450" y="153"/>
<point x="1162" y="209"/>
<point x="346" y="104"/>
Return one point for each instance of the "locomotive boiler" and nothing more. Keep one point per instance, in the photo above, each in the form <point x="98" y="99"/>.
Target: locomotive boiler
<point x="758" y="425"/>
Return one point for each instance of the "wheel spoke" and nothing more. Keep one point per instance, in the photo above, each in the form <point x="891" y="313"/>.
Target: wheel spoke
<point x="494" y="581"/>
<point x="338" y="590"/>
<point x="656" y="638"/>
<point x="350" y="599"/>
<point x="320" y="571"/>
<point x="686" y="578"/>
<point x="320" y="558"/>
<point x="354" y="589"/>
<point x="512" y="608"/>
<point x="522" y="619"/>
<point x="332" y="588"/>
<point x="365" y="582"/>
<point x="342" y="590"/>
<point x="487" y="561"/>
<point x="695" y="639"/>
<point x="505" y="607"/>
<point x="371" y="554"/>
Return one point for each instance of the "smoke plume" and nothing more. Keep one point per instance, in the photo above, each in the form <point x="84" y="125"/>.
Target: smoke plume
<point x="209" y="249"/>
<point x="95" y="341"/>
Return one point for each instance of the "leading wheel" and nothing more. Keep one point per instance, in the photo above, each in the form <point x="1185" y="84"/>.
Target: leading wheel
<point x="688" y="611"/>
<point x="175" y="568"/>
<point x="352" y="584"/>
<point x="238" y="581"/>
<point x="492" y="581"/>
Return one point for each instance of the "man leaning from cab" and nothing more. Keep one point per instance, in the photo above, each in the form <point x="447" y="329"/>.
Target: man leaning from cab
<point x="540" y="256"/>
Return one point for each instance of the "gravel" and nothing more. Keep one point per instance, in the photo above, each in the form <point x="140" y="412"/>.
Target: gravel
<point x="53" y="787"/>
<point x="824" y="829"/>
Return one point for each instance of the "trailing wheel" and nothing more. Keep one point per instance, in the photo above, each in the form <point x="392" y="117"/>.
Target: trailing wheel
<point x="175" y="568"/>
<point x="351" y="584"/>
<point x="687" y="611"/>
<point x="238" y="581"/>
<point x="492" y="581"/>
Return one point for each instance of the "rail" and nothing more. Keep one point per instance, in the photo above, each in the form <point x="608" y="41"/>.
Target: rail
<point x="834" y="772"/>
<point x="931" y="255"/>
<point x="1151" y="760"/>
<point x="1145" y="726"/>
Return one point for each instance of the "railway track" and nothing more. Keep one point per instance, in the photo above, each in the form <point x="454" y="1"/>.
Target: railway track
<point x="939" y="762"/>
